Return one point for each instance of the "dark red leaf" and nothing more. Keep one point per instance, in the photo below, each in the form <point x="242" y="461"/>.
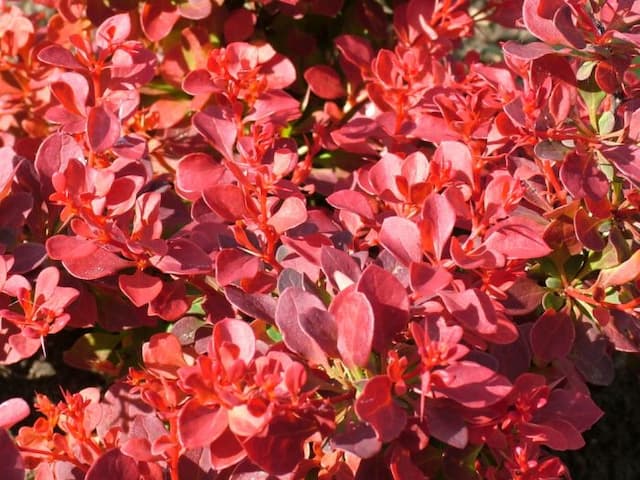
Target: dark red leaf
<point x="113" y="464"/>
<point x="12" y="465"/>
<point x="200" y="425"/>
<point x="377" y="407"/>
<point x="473" y="309"/>
<point x="552" y="335"/>
<point x="140" y="287"/>
<point x="473" y="385"/>
<point x="158" y="18"/>
<point x="390" y="304"/>
<point x="324" y="82"/>
<point x="226" y="200"/>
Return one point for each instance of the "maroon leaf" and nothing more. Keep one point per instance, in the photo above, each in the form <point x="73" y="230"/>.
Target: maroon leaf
<point x="402" y="238"/>
<point x="324" y="82"/>
<point x="233" y="265"/>
<point x="357" y="438"/>
<point x="355" y="321"/>
<point x="552" y="335"/>
<point x="626" y="158"/>
<point x="59" y="56"/>
<point x="103" y="128"/>
<point x="113" y="464"/>
<point x="377" y="407"/>
<point x="297" y="307"/>
<point x="587" y="230"/>
<point x="582" y="178"/>
<point x="427" y="281"/>
<point x="12" y="465"/>
<point x="389" y="301"/>
<point x="257" y="305"/>
<point x="339" y="268"/>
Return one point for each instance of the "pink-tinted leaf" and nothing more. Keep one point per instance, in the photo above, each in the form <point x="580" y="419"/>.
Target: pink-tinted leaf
<point x="183" y="257"/>
<point x="72" y="90"/>
<point x="619" y="275"/>
<point x="12" y="465"/>
<point x="357" y="438"/>
<point x="626" y="158"/>
<point x="355" y="321"/>
<point x="339" y="268"/>
<point x="158" y="18"/>
<point x="473" y="385"/>
<point x="402" y="238"/>
<point x="256" y="305"/>
<point x="446" y="424"/>
<point x="290" y="214"/>
<point x="113" y="30"/>
<point x="53" y="156"/>
<point x="552" y="335"/>
<point x="195" y="9"/>
<point x="199" y="425"/>
<point x="113" y="464"/>
<point x="84" y="259"/>
<point x="198" y="82"/>
<point x="389" y="301"/>
<point x="12" y="411"/>
<point x="555" y="31"/>
<point x="59" y="56"/>
<point x="324" y="82"/>
<point x="297" y="308"/>
<point x="237" y="332"/>
<point x="523" y="297"/>
<point x="473" y="309"/>
<point x="140" y="287"/>
<point x="103" y="128"/>
<point x="526" y="52"/>
<point x="518" y="238"/>
<point x="197" y="172"/>
<point x="377" y="407"/>
<point x="226" y="200"/>
<point x="351" y="201"/>
<point x="217" y="126"/>
<point x="438" y="220"/>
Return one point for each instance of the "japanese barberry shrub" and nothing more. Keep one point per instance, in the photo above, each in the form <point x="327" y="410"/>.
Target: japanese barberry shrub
<point x="310" y="239"/>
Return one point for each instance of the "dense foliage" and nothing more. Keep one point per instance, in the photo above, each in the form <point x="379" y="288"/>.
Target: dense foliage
<point x="317" y="239"/>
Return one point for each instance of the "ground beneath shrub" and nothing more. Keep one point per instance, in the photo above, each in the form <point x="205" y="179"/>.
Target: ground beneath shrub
<point x="612" y="450"/>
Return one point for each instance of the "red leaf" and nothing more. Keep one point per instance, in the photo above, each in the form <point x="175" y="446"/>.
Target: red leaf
<point x="582" y="178"/>
<point x="113" y="30"/>
<point x="183" y="257"/>
<point x="339" y="268"/>
<point x="59" y="56"/>
<point x="355" y="321"/>
<point x="197" y="172"/>
<point x="390" y="304"/>
<point x="113" y="464"/>
<point x="216" y="125"/>
<point x="626" y="272"/>
<point x="518" y="238"/>
<point x="103" y="128"/>
<point x="377" y="407"/>
<point x="473" y="309"/>
<point x="172" y="302"/>
<point x="402" y="238"/>
<point x="158" y="18"/>
<point x="552" y="335"/>
<point x="356" y="50"/>
<point x="291" y="213"/>
<point x="473" y="385"/>
<point x="226" y="200"/>
<point x="438" y="220"/>
<point x="237" y="332"/>
<point x="233" y="265"/>
<point x="587" y="230"/>
<point x="427" y="281"/>
<point x="12" y="465"/>
<point x="200" y="425"/>
<point x="84" y="259"/>
<point x="626" y="158"/>
<point x="53" y="156"/>
<point x="239" y="25"/>
<point x="296" y="313"/>
<point x="162" y="355"/>
<point x="324" y="82"/>
<point x="351" y="201"/>
<point x="199" y="81"/>
<point x="140" y="287"/>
